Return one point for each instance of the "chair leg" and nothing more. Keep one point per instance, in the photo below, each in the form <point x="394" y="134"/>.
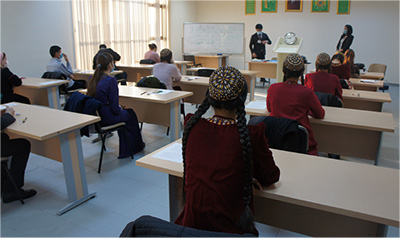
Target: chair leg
<point x="103" y="147"/>
<point x="11" y="180"/>
<point x="168" y="131"/>
<point x="141" y="126"/>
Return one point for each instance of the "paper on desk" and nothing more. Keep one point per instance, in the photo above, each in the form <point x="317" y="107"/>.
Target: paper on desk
<point x="172" y="153"/>
<point x="45" y="83"/>
<point x="257" y="104"/>
<point x="368" y="80"/>
<point x="2" y="107"/>
<point x="11" y="104"/>
<point x="160" y="92"/>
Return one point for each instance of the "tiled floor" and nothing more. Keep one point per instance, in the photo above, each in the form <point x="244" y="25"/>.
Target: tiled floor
<point x="124" y="190"/>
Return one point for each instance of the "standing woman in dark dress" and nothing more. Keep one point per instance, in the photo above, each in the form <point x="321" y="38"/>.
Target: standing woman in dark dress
<point x="345" y="39"/>
<point x="104" y="88"/>
<point x="8" y="82"/>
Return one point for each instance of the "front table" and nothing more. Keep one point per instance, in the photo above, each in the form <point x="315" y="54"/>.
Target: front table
<point x="55" y="134"/>
<point x="315" y="196"/>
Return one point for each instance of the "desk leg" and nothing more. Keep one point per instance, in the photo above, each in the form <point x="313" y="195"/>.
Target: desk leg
<point x="378" y="151"/>
<point x="175" y="121"/>
<point x="176" y="203"/>
<point x="74" y="170"/>
<point x="252" y="87"/>
<point x="183" y="69"/>
<point x="54" y="99"/>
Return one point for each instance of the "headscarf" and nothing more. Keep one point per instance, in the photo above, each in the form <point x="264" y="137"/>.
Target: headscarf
<point x="226" y="84"/>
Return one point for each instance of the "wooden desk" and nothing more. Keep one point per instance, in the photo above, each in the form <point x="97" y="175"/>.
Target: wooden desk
<point x="267" y="69"/>
<point x="315" y="196"/>
<point x="199" y="85"/>
<point x="40" y="91"/>
<point x="136" y="71"/>
<point x="182" y="64"/>
<point x="372" y="75"/>
<point x="211" y="61"/>
<point x="348" y="132"/>
<point x="55" y="134"/>
<point x="359" y="85"/>
<point x="160" y="109"/>
<point x="365" y="100"/>
<point x="87" y="74"/>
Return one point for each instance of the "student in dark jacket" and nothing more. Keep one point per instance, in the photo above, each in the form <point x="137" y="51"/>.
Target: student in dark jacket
<point x="8" y="82"/>
<point x="345" y="39"/>
<point x="104" y="88"/>
<point x="116" y="56"/>
<point x="221" y="156"/>
<point x="19" y="150"/>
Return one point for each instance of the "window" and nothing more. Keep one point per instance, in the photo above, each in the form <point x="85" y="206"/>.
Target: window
<point x="126" y="26"/>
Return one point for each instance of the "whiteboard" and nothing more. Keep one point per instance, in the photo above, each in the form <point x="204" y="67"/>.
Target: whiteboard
<point x="213" y="38"/>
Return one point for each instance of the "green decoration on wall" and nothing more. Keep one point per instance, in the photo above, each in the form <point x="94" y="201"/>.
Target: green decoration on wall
<point x="320" y="6"/>
<point x="343" y="7"/>
<point x="250" y="7"/>
<point x="268" y="6"/>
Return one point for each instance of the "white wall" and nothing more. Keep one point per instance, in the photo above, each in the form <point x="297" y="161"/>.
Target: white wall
<point x="375" y="25"/>
<point x="29" y="28"/>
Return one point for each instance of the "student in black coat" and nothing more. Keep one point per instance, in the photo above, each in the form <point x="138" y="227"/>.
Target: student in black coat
<point x="345" y="39"/>
<point x="257" y="43"/>
<point x="103" y="48"/>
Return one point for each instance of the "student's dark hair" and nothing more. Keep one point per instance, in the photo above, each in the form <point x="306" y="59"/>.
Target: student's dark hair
<point x="102" y="62"/>
<point x="102" y="46"/>
<point x="349" y="29"/>
<point x="152" y="46"/>
<point x="246" y="221"/>
<point x="339" y="56"/>
<point x="287" y="73"/>
<point x="54" y="49"/>
<point x="4" y="54"/>
<point x="259" y="26"/>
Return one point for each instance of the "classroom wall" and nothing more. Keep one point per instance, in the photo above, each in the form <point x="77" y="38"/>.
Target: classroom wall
<point x="29" y="28"/>
<point x="375" y="25"/>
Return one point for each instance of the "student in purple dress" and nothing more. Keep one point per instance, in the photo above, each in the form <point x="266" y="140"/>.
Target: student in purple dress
<point x="104" y="88"/>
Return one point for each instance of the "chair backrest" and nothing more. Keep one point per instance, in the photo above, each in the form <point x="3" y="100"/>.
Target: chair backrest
<point x="148" y="226"/>
<point x="327" y="99"/>
<point x="53" y="75"/>
<point x="205" y="72"/>
<point x="283" y="134"/>
<point x="147" y="61"/>
<point x="380" y="68"/>
<point x="151" y="82"/>
<point x="191" y="58"/>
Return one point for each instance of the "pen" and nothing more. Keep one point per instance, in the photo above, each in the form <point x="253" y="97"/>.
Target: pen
<point x="23" y="121"/>
<point x="143" y="92"/>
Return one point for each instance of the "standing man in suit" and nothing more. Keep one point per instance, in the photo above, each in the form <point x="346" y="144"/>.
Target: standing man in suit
<point x="257" y="43"/>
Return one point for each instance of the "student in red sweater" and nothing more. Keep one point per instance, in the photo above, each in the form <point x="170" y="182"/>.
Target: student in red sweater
<point x="291" y="100"/>
<point x="221" y="156"/>
<point x="322" y="80"/>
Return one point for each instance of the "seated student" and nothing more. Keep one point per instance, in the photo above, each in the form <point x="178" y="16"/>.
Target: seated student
<point x="103" y="48"/>
<point x="349" y="56"/>
<point x="55" y="65"/>
<point x="8" y="82"/>
<point x="291" y="100"/>
<point x="166" y="71"/>
<point x="343" y="71"/>
<point x="152" y="53"/>
<point x="104" y="88"/>
<point x="19" y="150"/>
<point x="221" y="156"/>
<point x="322" y="80"/>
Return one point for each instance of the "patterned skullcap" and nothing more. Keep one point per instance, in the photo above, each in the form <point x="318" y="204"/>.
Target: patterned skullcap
<point x="293" y="62"/>
<point x="226" y="83"/>
<point x="323" y="59"/>
<point x="165" y="52"/>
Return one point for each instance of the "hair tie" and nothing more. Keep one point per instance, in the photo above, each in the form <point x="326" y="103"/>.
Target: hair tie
<point x="99" y="65"/>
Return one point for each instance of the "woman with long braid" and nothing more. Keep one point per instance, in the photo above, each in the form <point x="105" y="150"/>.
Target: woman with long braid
<point x="221" y="156"/>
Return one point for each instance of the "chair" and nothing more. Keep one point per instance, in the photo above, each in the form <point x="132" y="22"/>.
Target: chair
<point x="327" y="99"/>
<point x="205" y="72"/>
<point x="283" y="134"/>
<point x="148" y="226"/>
<point x="147" y="61"/>
<point x="4" y="168"/>
<point x="56" y="75"/>
<point x="81" y="103"/>
<point x="191" y="58"/>
<point x="380" y="68"/>
<point x="103" y="131"/>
